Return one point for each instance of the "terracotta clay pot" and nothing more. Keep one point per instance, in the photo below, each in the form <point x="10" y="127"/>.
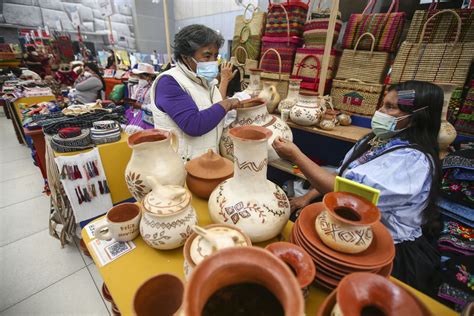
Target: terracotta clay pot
<point x="298" y="259"/>
<point x="206" y="172"/>
<point x="346" y="223"/>
<point x="161" y="294"/>
<point x="248" y="200"/>
<point x="106" y="293"/>
<point x="197" y="248"/>
<point x="154" y="154"/>
<point x="360" y="292"/>
<point x="242" y="265"/>
<point x="255" y="113"/>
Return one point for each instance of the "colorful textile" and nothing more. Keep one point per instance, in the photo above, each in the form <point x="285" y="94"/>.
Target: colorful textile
<point x="286" y="19"/>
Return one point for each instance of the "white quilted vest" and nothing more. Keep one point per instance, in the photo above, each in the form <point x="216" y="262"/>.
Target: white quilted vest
<point x="204" y="96"/>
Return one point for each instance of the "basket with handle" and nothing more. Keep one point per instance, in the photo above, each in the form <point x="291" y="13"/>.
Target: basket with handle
<point x="386" y="28"/>
<point x="279" y="79"/>
<point x="316" y="27"/>
<point x="309" y="73"/>
<point x="286" y="18"/>
<point x="248" y="32"/>
<point x="356" y="96"/>
<point x="442" y="29"/>
<point x="434" y="62"/>
<point x="368" y="66"/>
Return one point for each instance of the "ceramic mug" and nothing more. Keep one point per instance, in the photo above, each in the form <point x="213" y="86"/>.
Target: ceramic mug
<point x="123" y="223"/>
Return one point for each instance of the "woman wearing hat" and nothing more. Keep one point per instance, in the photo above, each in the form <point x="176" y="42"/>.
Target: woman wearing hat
<point x="399" y="158"/>
<point x="186" y="98"/>
<point x="140" y="115"/>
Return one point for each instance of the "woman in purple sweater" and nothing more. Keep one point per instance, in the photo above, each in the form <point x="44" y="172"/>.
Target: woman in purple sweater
<point x="186" y="98"/>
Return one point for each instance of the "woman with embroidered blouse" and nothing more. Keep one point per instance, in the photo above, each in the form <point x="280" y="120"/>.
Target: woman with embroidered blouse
<point x="399" y="158"/>
<point x="186" y="97"/>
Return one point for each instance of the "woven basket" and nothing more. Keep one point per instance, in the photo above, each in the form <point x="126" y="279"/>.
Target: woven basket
<point x="278" y="79"/>
<point x="386" y="27"/>
<point x="434" y="62"/>
<point x="356" y="96"/>
<point x="284" y="18"/>
<point x="316" y="28"/>
<point x="244" y="67"/>
<point x="308" y="68"/>
<point x="286" y="48"/>
<point x="443" y="29"/>
<point x="368" y="66"/>
<point x="248" y="32"/>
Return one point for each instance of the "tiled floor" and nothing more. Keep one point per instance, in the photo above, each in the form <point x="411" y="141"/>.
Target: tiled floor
<point x="37" y="276"/>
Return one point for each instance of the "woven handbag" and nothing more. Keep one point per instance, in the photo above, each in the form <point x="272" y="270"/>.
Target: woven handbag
<point x="368" y="66"/>
<point x="356" y="96"/>
<point x="434" y="62"/>
<point x="444" y="28"/>
<point x="248" y="33"/>
<point x="307" y="67"/>
<point x="244" y="64"/>
<point x="278" y="79"/>
<point x="386" y="28"/>
<point x="289" y="16"/>
<point x="286" y="47"/>
<point x="316" y="27"/>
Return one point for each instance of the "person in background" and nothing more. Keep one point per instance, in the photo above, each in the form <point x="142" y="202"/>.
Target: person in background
<point x="111" y="60"/>
<point x="399" y="158"/>
<point x="140" y="115"/>
<point x="89" y="85"/>
<point x="186" y="98"/>
<point x="37" y="62"/>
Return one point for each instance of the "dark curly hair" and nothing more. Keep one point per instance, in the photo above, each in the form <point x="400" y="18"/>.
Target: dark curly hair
<point x="193" y="37"/>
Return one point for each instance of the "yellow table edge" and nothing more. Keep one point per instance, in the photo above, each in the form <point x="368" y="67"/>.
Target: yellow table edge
<point x="124" y="275"/>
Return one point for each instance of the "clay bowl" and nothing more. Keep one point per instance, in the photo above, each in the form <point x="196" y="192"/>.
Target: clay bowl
<point x="243" y="265"/>
<point x="360" y="292"/>
<point x="298" y="260"/>
<point x="192" y="237"/>
<point x="250" y="103"/>
<point x="336" y="202"/>
<point x="380" y="252"/>
<point x="115" y="310"/>
<point x="84" y="249"/>
<point x="326" y="308"/>
<point x="162" y="293"/>
<point x="206" y="172"/>
<point x="106" y="293"/>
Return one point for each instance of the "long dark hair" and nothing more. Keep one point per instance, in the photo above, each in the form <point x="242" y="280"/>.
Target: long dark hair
<point x="423" y="135"/>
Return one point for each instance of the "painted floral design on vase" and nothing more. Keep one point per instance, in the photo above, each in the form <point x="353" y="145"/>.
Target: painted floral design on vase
<point x="309" y="109"/>
<point x="345" y="224"/>
<point x="248" y="200"/>
<point x="255" y="113"/>
<point x="167" y="216"/>
<point x="255" y="85"/>
<point x="292" y="97"/>
<point x="153" y="154"/>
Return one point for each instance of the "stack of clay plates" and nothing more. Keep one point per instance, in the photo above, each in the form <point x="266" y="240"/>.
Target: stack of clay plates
<point x="333" y="265"/>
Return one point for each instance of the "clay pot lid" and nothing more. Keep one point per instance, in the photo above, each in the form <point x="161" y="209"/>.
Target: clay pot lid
<point x="198" y="248"/>
<point x="149" y="135"/>
<point x="243" y="265"/>
<point x="351" y="208"/>
<point x="210" y="166"/>
<point x="359" y="290"/>
<point x="380" y="252"/>
<point x="166" y="200"/>
<point x="297" y="258"/>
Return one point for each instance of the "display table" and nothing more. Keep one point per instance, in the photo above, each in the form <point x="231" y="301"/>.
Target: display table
<point x="124" y="275"/>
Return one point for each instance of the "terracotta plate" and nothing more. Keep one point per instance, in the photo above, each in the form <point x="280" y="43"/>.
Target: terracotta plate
<point x="380" y="252"/>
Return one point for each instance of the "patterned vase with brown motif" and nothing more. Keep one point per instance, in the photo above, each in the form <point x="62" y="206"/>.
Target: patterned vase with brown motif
<point x="255" y="113"/>
<point x="255" y="85"/>
<point x="248" y="200"/>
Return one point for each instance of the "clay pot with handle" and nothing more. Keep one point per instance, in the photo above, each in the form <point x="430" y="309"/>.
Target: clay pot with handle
<point x="270" y="95"/>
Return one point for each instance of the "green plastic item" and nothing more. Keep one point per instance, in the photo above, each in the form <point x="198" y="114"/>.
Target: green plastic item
<point x="118" y="93"/>
<point x="368" y="193"/>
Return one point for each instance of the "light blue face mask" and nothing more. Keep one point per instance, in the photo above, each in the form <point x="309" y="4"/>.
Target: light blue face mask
<point x="384" y="125"/>
<point x="207" y="69"/>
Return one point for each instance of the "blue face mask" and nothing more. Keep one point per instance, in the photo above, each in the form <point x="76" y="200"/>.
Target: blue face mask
<point x="207" y="70"/>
